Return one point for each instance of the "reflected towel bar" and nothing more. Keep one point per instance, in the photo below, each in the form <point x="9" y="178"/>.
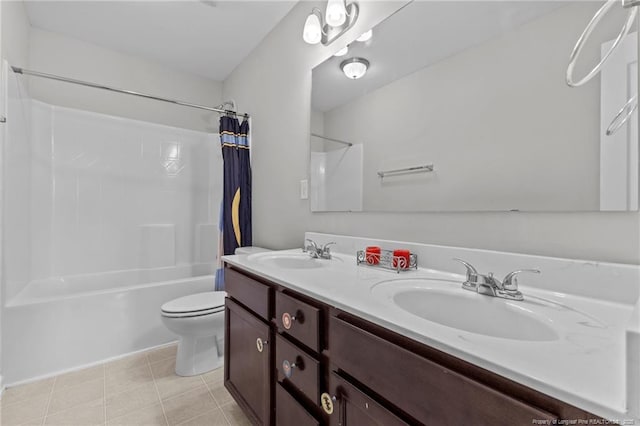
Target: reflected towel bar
<point x="415" y="169"/>
<point x="331" y="139"/>
<point x="623" y="116"/>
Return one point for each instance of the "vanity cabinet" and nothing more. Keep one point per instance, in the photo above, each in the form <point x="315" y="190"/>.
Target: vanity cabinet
<point x="248" y="376"/>
<point x="323" y="366"/>
<point x="353" y="407"/>
<point x="248" y="344"/>
<point x="425" y="390"/>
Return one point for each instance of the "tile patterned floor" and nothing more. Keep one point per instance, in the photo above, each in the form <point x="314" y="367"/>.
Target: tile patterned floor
<point x="140" y="390"/>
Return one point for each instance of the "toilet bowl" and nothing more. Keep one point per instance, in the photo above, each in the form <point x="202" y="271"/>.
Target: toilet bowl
<point x="198" y="320"/>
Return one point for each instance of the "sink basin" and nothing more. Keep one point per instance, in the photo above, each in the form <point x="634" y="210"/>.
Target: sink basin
<point x="446" y="303"/>
<point x="291" y="260"/>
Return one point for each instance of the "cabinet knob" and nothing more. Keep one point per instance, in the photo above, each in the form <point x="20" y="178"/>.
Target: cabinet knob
<point x="287" y="320"/>
<point x="260" y="344"/>
<point x="287" y="367"/>
<point x="327" y="401"/>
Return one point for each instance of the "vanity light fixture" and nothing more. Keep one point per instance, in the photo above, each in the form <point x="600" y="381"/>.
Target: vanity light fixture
<point x="354" y="68"/>
<point x="366" y="36"/>
<point x="312" y="33"/>
<point x="336" y="13"/>
<point x="339" y="18"/>
<point x="342" y="52"/>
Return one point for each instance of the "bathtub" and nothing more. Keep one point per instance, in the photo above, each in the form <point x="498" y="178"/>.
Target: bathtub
<point x="62" y="323"/>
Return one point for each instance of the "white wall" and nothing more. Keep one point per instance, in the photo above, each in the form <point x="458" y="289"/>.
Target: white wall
<point x="503" y="131"/>
<point x="58" y="54"/>
<point x="14" y="44"/>
<point x="274" y="84"/>
<point x="15" y="33"/>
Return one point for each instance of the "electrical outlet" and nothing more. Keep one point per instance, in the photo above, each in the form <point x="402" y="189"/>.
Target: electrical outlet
<point x="304" y="189"/>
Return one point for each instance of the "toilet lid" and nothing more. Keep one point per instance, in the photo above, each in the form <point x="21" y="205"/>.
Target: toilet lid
<point x="195" y="302"/>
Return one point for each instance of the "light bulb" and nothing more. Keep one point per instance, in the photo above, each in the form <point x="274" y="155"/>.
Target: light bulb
<point x="336" y="13"/>
<point x="365" y="36"/>
<point x="312" y="32"/>
<point x="354" y="68"/>
<point x="342" y="52"/>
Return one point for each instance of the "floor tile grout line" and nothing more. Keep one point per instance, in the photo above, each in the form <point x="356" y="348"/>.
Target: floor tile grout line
<point x="215" y="400"/>
<point x="202" y="414"/>
<point x="25" y="398"/>
<point x="46" y="411"/>
<point x="104" y="393"/>
<point x="75" y="404"/>
<point x="155" y="385"/>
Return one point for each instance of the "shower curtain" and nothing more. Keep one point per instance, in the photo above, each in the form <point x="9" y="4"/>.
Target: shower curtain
<point x="235" y="212"/>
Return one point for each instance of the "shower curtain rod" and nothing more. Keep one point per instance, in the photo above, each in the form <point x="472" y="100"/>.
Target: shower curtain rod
<point x="23" y="71"/>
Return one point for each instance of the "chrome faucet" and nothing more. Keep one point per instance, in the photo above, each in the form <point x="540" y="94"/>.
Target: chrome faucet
<point x="315" y="251"/>
<point x="490" y="285"/>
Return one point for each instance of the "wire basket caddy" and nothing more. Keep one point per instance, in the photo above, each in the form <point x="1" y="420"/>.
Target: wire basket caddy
<point x="386" y="260"/>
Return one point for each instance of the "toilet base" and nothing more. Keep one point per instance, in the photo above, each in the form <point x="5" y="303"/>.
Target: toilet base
<point x="197" y="355"/>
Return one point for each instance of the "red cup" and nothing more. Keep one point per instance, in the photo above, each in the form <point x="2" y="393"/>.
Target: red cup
<point x="372" y="255"/>
<point x="401" y="258"/>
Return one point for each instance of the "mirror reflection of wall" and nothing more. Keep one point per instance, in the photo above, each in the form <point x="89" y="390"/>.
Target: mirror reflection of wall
<point x="478" y="90"/>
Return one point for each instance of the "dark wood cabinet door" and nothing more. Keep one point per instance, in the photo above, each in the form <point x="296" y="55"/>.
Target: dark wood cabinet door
<point x="248" y="357"/>
<point x="353" y="407"/>
<point x="425" y="390"/>
<point x="289" y="412"/>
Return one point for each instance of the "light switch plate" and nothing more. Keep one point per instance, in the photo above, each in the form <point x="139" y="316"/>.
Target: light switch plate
<point x="304" y="189"/>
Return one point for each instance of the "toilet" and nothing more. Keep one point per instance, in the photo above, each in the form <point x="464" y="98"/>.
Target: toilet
<point x="198" y="320"/>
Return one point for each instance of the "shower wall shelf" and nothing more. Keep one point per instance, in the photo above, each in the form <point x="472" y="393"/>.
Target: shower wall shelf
<point x="425" y="168"/>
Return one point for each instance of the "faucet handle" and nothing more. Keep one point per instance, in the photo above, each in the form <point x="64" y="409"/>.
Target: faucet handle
<point x="311" y="244"/>
<point x="471" y="270"/>
<point x="325" y="248"/>
<point x="510" y="282"/>
<point x="471" y="283"/>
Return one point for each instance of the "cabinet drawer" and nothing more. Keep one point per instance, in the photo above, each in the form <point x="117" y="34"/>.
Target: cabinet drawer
<point x="289" y="412"/>
<point x="353" y="407"/>
<point x="251" y="293"/>
<point x="445" y="397"/>
<point x="299" y="320"/>
<point x="304" y="370"/>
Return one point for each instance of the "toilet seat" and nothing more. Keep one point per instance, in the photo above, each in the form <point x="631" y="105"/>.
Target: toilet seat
<point x="195" y="305"/>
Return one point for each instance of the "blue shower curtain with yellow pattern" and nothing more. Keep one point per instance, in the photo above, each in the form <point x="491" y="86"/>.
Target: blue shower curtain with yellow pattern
<point x="235" y="212"/>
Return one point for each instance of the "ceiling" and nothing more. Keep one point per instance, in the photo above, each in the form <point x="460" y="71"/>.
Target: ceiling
<point x="419" y="35"/>
<point x="207" y="38"/>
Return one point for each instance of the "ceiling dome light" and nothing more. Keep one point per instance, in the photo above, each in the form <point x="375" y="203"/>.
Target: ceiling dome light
<point x="365" y="36"/>
<point x="336" y="13"/>
<point x="342" y="52"/>
<point x="354" y="68"/>
<point x="312" y="32"/>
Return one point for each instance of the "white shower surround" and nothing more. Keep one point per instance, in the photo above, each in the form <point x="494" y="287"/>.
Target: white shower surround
<point x="105" y="219"/>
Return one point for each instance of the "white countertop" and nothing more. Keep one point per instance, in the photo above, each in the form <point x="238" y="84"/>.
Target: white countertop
<point x="585" y="367"/>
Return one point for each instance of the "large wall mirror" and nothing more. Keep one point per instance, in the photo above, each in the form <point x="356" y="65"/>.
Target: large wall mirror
<point x="464" y="107"/>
